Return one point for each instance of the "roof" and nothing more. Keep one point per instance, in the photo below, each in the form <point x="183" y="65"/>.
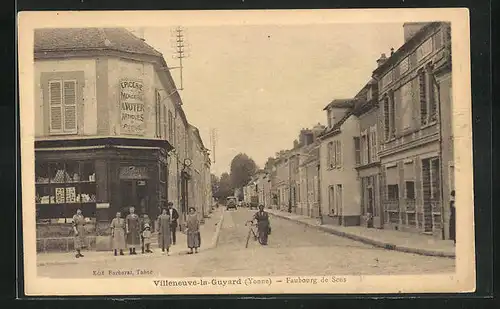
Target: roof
<point x="340" y="103"/>
<point x="336" y="127"/>
<point x="66" y="39"/>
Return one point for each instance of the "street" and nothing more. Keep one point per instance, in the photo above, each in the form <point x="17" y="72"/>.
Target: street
<point x="293" y="250"/>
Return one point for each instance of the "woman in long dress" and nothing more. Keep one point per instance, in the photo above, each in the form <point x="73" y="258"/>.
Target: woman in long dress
<point x="133" y="229"/>
<point x="164" y="235"/>
<point x="193" y="231"/>
<point x="79" y="231"/>
<point x="118" y="233"/>
<point x="263" y="225"/>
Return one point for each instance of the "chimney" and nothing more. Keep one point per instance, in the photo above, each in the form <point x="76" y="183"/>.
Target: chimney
<point x="410" y="29"/>
<point x="392" y="51"/>
<point x="295" y="143"/>
<point x="381" y="60"/>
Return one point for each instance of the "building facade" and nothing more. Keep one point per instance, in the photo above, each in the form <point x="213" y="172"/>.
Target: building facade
<point x="416" y="151"/>
<point x="110" y="131"/>
<point x="340" y="186"/>
<point x="366" y="154"/>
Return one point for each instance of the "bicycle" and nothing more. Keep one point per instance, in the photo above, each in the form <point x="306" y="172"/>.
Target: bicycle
<point x="251" y="231"/>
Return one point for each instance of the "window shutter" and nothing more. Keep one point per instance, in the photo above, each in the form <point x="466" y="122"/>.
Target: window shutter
<point x="55" y="99"/>
<point x="338" y="154"/>
<point x="69" y="106"/>
<point x="357" y="150"/>
<point x="423" y="97"/>
<point x="386" y="118"/>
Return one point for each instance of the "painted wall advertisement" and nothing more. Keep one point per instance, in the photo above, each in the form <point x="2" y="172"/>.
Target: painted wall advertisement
<point x="132" y="107"/>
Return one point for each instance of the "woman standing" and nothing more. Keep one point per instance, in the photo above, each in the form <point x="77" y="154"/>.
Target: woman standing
<point x="164" y="238"/>
<point x="118" y="233"/>
<point x="452" y="217"/>
<point x="263" y="225"/>
<point x="193" y="231"/>
<point x="79" y="230"/>
<point x="132" y="227"/>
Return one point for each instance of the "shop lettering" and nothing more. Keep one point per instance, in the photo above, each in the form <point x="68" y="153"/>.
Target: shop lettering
<point x="131" y="84"/>
<point x="133" y="107"/>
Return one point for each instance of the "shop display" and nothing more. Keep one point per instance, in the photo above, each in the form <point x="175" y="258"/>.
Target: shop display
<point x="71" y="195"/>
<point x="59" y="195"/>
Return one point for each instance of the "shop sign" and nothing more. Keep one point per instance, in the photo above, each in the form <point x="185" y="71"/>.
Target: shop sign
<point x="132" y="107"/>
<point x="134" y="172"/>
<point x="102" y="205"/>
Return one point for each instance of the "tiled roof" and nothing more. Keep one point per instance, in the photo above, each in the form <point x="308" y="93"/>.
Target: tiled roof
<point x="119" y="39"/>
<point x="340" y="103"/>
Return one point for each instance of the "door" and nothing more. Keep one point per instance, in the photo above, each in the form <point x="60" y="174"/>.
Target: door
<point x="427" y="195"/>
<point x="378" y="211"/>
<point x="134" y="193"/>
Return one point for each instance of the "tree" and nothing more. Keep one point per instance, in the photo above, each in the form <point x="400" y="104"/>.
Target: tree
<point x="225" y="189"/>
<point x="215" y="185"/>
<point x="242" y="169"/>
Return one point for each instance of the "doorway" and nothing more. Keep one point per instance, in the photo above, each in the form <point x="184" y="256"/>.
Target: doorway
<point x="134" y="193"/>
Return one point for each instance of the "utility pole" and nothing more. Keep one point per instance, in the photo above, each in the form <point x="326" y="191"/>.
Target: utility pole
<point x="180" y="45"/>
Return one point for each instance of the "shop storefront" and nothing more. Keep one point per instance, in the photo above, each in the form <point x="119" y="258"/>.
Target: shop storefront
<point x="100" y="176"/>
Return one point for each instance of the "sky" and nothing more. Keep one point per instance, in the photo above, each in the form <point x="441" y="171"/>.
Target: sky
<point x="259" y="85"/>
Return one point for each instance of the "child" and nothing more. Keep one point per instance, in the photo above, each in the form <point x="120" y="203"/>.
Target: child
<point x="146" y="235"/>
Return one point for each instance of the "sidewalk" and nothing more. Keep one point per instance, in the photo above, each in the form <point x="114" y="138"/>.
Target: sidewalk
<point x="209" y="237"/>
<point x="387" y="239"/>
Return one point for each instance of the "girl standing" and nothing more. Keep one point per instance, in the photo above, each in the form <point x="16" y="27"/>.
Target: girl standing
<point x="146" y="237"/>
<point x="193" y="231"/>
<point x="79" y="230"/>
<point x="118" y="233"/>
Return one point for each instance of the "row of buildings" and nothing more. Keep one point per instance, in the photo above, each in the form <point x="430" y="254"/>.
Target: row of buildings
<point x="110" y="130"/>
<point x="385" y="157"/>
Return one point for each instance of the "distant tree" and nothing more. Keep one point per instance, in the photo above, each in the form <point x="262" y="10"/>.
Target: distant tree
<point x="225" y="189"/>
<point x="242" y="169"/>
<point x="215" y="185"/>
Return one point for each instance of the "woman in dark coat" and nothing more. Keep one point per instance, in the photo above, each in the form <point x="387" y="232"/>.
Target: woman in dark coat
<point x="452" y="217"/>
<point x="193" y="231"/>
<point x="133" y="230"/>
<point x="164" y="233"/>
<point x="263" y="225"/>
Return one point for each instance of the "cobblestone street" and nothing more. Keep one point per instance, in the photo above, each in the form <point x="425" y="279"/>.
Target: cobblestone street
<point x="293" y="250"/>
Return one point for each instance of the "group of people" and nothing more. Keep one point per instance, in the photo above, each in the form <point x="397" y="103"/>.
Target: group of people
<point x="134" y="231"/>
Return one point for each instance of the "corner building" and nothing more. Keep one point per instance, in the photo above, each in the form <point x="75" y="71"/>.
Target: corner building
<point x="108" y="119"/>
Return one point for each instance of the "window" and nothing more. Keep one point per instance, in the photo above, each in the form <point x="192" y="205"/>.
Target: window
<point x="389" y="116"/>
<point x="158" y="113"/>
<point x="330" y="154"/>
<point x="170" y="127"/>
<point x="423" y="96"/>
<point x="392" y="114"/>
<point x="424" y="49"/>
<point x="357" y="150"/>
<point x="63" y="110"/>
<point x="387" y="125"/>
<point x="364" y="147"/>
<point x="164" y="122"/>
<point x="406" y="113"/>
<point x="337" y="160"/>
<point x="410" y="190"/>
<point x="451" y="175"/>
<point x="435" y="179"/>
<point x="373" y="144"/>
<point x="338" y="200"/>
<point x="404" y="65"/>
<point x="331" y="118"/>
<point x="393" y="192"/>
<point x="331" y="200"/>
<point x="387" y="79"/>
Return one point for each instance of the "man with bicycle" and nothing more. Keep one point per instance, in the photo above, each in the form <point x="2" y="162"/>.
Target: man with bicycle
<point x="263" y="225"/>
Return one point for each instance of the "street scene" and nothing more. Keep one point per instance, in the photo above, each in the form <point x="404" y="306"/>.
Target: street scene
<point x="244" y="151"/>
<point x="308" y="253"/>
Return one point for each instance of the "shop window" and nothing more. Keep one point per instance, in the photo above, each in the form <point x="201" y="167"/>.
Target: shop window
<point x="64" y="187"/>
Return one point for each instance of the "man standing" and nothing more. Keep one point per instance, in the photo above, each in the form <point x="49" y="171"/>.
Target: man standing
<point x="174" y="215"/>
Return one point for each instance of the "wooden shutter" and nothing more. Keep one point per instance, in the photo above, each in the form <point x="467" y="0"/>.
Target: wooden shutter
<point x="357" y="150"/>
<point x="158" y="113"/>
<point x="55" y="108"/>
<point x="338" y="154"/>
<point x="423" y="97"/>
<point x="386" y="118"/>
<point x="70" y="120"/>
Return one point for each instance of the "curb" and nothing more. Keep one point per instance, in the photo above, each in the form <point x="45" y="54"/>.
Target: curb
<point x="112" y="258"/>
<point x="375" y="243"/>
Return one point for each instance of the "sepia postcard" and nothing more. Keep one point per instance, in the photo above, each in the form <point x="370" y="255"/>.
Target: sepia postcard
<point x="246" y="152"/>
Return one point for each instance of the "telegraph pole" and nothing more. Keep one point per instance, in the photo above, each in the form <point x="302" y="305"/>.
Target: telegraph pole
<point x="180" y="45"/>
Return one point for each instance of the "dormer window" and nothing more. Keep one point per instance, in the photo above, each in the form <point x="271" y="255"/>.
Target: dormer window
<point x="331" y="118"/>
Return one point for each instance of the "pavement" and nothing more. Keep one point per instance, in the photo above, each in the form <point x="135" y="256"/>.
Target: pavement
<point x="209" y="231"/>
<point x="293" y="250"/>
<point x="387" y="239"/>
